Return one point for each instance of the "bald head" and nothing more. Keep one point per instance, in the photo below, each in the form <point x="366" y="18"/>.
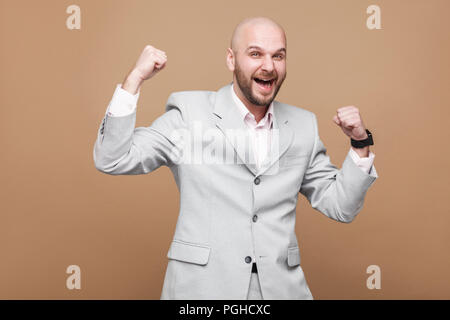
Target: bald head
<point x="246" y="29"/>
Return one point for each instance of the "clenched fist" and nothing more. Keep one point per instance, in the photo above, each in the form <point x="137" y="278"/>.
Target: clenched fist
<point x="150" y="62"/>
<point x="350" y="121"/>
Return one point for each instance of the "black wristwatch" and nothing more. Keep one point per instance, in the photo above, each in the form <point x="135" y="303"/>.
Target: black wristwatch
<point x="363" y="143"/>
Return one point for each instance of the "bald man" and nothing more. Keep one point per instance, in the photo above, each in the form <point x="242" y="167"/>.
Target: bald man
<point x="239" y="159"/>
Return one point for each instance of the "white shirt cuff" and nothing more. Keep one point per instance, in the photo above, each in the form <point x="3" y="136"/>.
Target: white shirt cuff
<point x="365" y="163"/>
<point x="122" y="103"/>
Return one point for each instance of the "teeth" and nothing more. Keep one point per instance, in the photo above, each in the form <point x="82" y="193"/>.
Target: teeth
<point x="266" y="83"/>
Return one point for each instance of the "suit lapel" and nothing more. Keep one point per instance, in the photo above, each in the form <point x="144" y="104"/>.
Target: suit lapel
<point x="235" y="130"/>
<point x="228" y="120"/>
<point x="282" y="135"/>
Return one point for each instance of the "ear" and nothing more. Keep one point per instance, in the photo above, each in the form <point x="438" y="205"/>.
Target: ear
<point x="230" y="59"/>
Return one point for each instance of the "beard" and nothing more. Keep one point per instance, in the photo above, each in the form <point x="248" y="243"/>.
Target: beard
<point x="245" y="84"/>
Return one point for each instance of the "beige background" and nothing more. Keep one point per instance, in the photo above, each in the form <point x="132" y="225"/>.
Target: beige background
<point x="58" y="210"/>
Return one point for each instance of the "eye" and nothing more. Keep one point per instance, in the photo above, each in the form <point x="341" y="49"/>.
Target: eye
<point x="254" y="54"/>
<point x="279" y="56"/>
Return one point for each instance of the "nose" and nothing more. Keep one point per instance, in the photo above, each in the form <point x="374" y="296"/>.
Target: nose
<point x="267" y="64"/>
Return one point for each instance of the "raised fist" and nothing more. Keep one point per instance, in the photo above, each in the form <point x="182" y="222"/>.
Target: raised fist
<point x="150" y="62"/>
<point x="350" y="121"/>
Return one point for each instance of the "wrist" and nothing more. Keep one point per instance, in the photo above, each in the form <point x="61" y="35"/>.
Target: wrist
<point x="132" y="82"/>
<point x="361" y="144"/>
<point x="362" y="138"/>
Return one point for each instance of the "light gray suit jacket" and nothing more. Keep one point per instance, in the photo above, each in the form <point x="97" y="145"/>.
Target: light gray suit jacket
<point x="216" y="231"/>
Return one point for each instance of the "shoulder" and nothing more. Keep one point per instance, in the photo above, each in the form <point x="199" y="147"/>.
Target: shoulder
<point x="191" y="97"/>
<point x="302" y="120"/>
<point x="192" y="104"/>
<point x="295" y="112"/>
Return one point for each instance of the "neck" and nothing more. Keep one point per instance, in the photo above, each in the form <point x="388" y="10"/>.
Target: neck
<point x="258" y="111"/>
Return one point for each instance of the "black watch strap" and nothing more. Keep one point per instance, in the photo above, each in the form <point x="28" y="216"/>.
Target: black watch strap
<point x="363" y="143"/>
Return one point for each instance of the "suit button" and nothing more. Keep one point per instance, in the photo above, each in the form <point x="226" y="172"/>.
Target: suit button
<point x="257" y="180"/>
<point x="248" y="259"/>
<point x="255" y="217"/>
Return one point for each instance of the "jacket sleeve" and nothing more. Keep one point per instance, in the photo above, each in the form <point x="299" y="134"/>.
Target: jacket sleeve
<point x="121" y="148"/>
<point x="337" y="193"/>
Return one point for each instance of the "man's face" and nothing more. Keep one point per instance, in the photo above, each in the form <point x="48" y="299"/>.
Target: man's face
<point x="260" y="56"/>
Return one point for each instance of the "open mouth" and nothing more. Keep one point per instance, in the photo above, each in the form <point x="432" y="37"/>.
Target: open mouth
<point x="265" y="84"/>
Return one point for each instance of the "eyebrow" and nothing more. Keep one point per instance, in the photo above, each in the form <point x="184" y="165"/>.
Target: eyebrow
<point x="259" y="48"/>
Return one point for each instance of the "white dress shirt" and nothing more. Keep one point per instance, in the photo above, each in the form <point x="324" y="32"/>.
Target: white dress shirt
<point x="259" y="132"/>
<point x="124" y="103"/>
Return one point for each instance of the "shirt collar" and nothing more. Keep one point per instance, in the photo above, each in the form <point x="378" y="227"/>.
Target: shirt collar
<point x="245" y="113"/>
